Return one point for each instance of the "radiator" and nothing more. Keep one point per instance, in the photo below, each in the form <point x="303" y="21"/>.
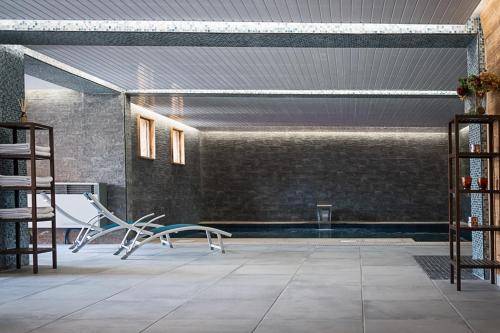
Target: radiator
<point x="69" y="196"/>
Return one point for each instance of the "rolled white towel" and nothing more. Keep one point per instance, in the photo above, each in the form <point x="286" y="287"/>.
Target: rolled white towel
<point x="23" y="181"/>
<point x="12" y="146"/>
<point x="23" y="148"/>
<point x="25" y="212"/>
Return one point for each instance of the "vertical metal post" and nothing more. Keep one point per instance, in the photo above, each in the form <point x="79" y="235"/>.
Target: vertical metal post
<point x="458" y="203"/>
<point x="53" y="198"/>
<point x="16" y="204"/>
<point x="450" y="200"/>
<point x="34" y="217"/>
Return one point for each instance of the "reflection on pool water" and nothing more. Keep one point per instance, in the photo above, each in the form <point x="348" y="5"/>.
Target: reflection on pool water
<point x="421" y="232"/>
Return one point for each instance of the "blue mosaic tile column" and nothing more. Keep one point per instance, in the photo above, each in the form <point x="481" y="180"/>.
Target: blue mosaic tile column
<point x="476" y="64"/>
<point x="11" y="90"/>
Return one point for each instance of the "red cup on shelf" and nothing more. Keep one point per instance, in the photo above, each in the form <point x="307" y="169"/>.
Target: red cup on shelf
<point x="466" y="182"/>
<point x="475" y="148"/>
<point x="482" y="182"/>
<point x="473" y="221"/>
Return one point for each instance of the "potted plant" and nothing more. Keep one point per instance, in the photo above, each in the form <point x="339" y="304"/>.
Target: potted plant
<point x="473" y="88"/>
<point x="23" y="105"/>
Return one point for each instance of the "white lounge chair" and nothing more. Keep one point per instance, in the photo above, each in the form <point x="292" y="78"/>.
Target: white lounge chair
<point x="149" y="232"/>
<point x="91" y="231"/>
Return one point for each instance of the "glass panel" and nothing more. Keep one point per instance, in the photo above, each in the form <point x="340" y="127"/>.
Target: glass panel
<point x="145" y="143"/>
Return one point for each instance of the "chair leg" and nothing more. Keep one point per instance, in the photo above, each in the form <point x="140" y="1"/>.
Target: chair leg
<point x="165" y="240"/>
<point x="122" y="247"/>
<point x="77" y="239"/>
<point x="221" y="243"/>
<point x="209" y="239"/>
<point x="128" y="253"/>
<point x="169" y="241"/>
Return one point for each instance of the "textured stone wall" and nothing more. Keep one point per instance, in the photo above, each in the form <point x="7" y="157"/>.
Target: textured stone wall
<point x="490" y="21"/>
<point x="11" y="90"/>
<point x="88" y="138"/>
<point x="273" y="176"/>
<point x="158" y="185"/>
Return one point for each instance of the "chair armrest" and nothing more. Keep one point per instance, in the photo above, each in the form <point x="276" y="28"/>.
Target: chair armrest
<point x="142" y="218"/>
<point x="147" y="224"/>
<point x="95" y="219"/>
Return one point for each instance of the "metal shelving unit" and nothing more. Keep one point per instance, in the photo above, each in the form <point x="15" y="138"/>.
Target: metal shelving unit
<point x="490" y="223"/>
<point x="31" y="158"/>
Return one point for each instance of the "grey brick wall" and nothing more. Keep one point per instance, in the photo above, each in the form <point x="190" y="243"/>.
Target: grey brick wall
<point x="158" y="185"/>
<point x="11" y="90"/>
<point x="88" y="138"/>
<point x="249" y="176"/>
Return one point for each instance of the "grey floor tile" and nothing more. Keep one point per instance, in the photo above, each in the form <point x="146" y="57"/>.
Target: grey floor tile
<point x="416" y="326"/>
<point x="115" y="310"/>
<point x="241" y="292"/>
<point x="396" y="278"/>
<point x="344" y="277"/>
<point x="40" y="309"/>
<point x="321" y="289"/>
<point x="267" y="269"/>
<point x="21" y="325"/>
<point x="485" y="326"/>
<point x="416" y="310"/>
<point x="202" y="309"/>
<point x="151" y="290"/>
<point x="478" y="310"/>
<point x="94" y="326"/>
<point x="315" y="309"/>
<point x="254" y="279"/>
<point x="203" y="326"/>
<point x="316" y="326"/>
<point x="401" y="293"/>
<point x="189" y="289"/>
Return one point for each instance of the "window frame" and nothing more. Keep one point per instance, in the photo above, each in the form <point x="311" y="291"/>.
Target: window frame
<point x="181" y="148"/>
<point x="152" y="141"/>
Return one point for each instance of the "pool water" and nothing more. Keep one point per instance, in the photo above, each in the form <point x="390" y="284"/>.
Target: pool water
<point x="428" y="232"/>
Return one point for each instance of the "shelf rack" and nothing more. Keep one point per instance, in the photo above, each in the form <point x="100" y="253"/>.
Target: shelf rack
<point x="31" y="158"/>
<point x="456" y="226"/>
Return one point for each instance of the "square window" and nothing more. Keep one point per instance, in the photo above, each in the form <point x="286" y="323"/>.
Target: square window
<point x="146" y="137"/>
<point x="177" y="143"/>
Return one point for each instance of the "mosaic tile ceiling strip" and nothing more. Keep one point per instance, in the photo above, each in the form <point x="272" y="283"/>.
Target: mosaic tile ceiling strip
<point x="232" y="27"/>
<point x="322" y="11"/>
<point x="300" y="93"/>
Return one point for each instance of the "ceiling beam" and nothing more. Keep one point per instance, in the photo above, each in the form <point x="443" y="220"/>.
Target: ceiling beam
<point x="292" y="93"/>
<point x="234" y="34"/>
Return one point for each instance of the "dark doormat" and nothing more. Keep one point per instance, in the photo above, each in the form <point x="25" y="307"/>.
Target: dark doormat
<point x="438" y="268"/>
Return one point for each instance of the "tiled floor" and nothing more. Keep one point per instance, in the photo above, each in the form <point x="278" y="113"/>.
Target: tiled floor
<point x="253" y="288"/>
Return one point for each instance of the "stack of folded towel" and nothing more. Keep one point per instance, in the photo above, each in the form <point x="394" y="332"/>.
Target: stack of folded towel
<point x="24" y="181"/>
<point x="23" y="149"/>
<point x="25" y="213"/>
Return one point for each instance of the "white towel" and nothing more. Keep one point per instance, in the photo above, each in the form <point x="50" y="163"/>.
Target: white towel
<point x="25" y="213"/>
<point x="24" y="181"/>
<point x="23" y="148"/>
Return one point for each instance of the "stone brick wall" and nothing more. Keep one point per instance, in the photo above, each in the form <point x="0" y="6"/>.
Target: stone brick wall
<point x="88" y="138"/>
<point x="273" y="176"/>
<point x="158" y="185"/>
<point x="11" y="90"/>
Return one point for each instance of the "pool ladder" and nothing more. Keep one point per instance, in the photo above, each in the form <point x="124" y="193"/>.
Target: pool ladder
<point x="324" y="214"/>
